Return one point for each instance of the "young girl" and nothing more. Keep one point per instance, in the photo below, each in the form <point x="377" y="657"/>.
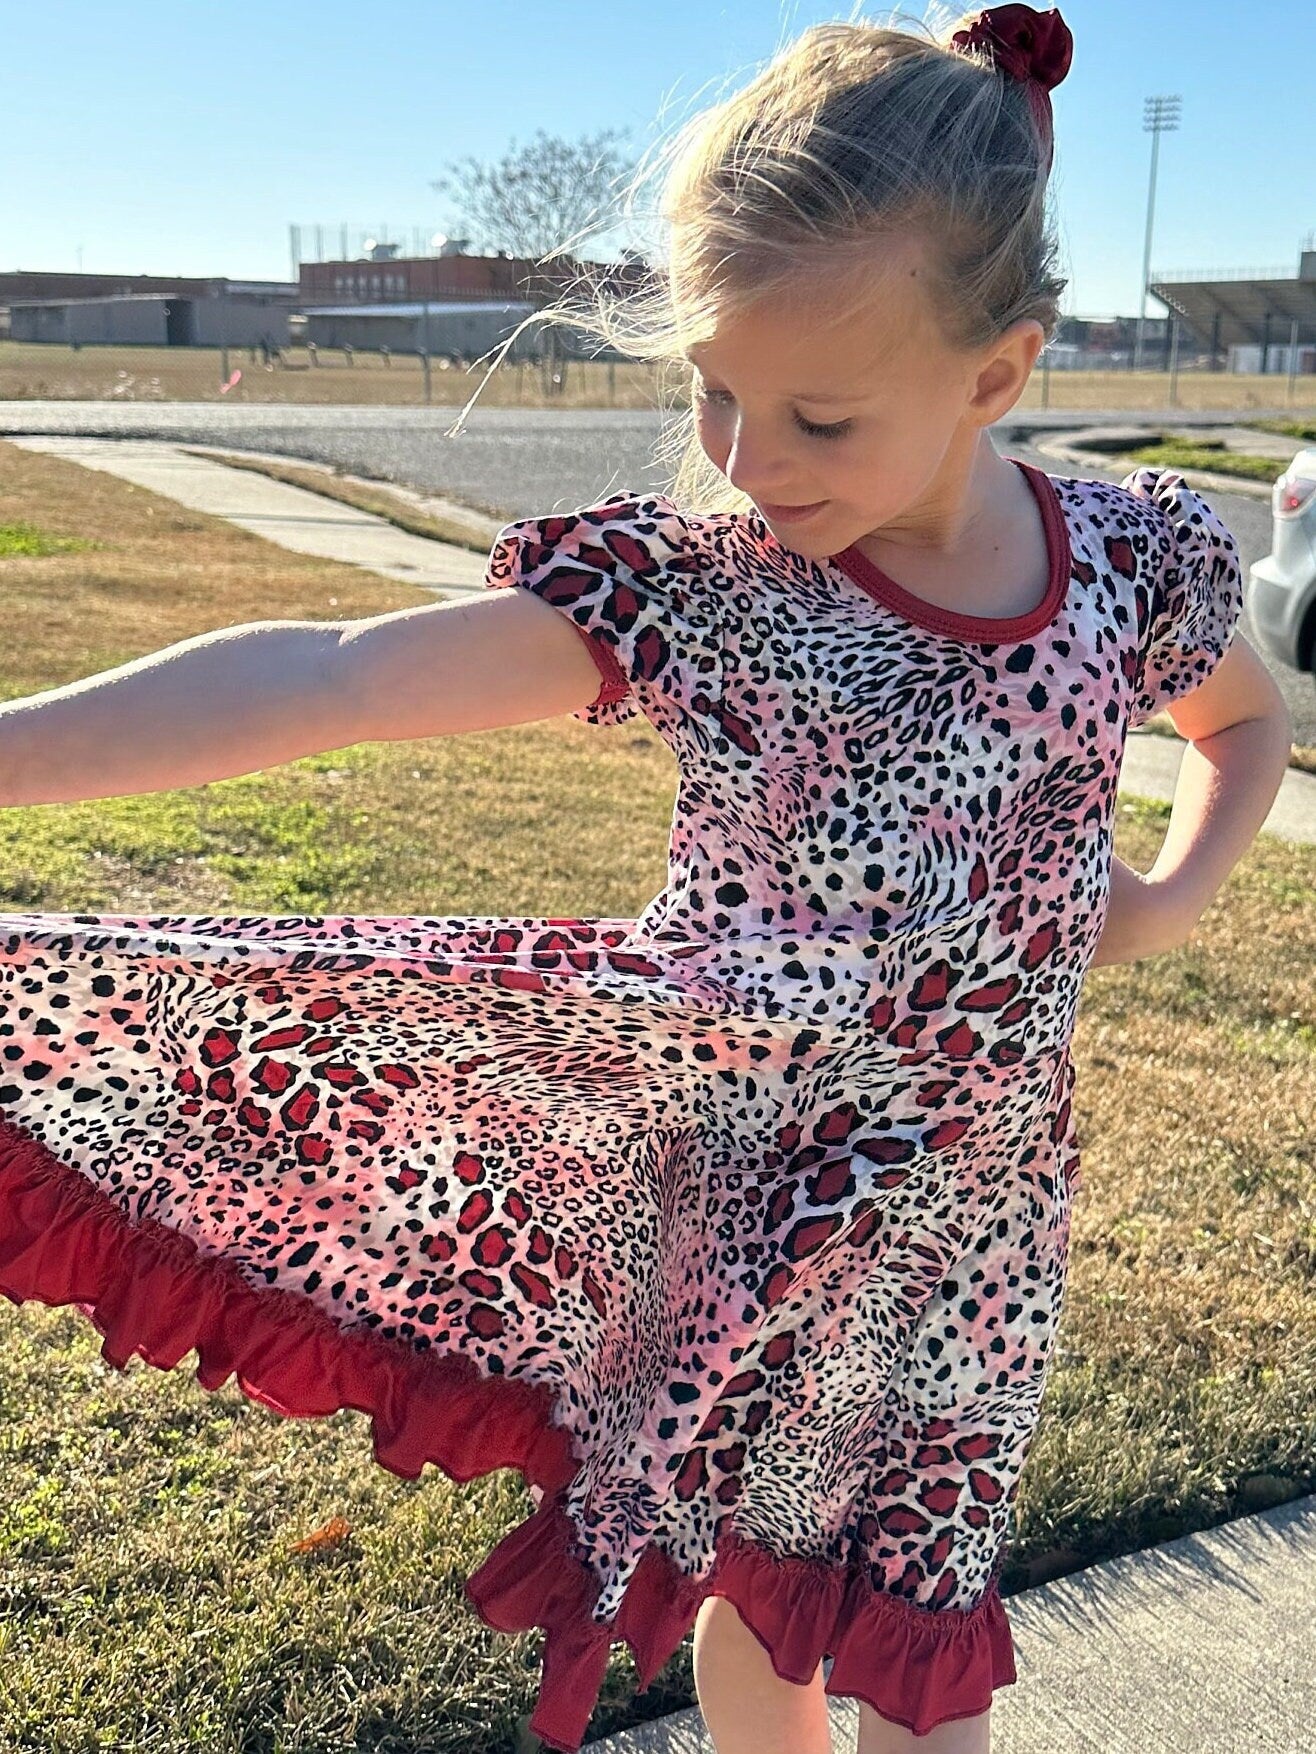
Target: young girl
<point x="741" y="1228"/>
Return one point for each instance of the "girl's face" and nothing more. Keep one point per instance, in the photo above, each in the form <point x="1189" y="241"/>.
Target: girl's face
<point x="871" y="417"/>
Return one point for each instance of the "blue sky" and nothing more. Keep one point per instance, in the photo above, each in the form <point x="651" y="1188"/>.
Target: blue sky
<point x="183" y="137"/>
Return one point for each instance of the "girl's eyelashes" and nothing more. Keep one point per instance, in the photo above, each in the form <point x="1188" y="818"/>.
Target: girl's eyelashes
<point x="806" y="426"/>
<point x="815" y="431"/>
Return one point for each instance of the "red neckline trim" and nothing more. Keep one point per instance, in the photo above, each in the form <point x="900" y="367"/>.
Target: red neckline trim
<point x="994" y="629"/>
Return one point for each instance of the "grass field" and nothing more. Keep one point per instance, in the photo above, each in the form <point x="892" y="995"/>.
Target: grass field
<point x="42" y="371"/>
<point x="151" y="1594"/>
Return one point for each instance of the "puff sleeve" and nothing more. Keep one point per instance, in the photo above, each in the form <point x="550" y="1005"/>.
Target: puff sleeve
<point x="629" y="574"/>
<point x="1196" y="595"/>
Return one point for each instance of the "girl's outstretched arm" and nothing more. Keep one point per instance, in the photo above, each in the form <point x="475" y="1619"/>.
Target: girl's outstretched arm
<point x="463" y="666"/>
<point x="244" y="698"/>
<point x="1239" y="733"/>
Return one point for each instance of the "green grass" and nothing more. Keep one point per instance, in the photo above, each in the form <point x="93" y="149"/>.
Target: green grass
<point x="1298" y="429"/>
<point x="27" y="539"/>
<point x="1181" y="454"/>
<point x="151" y="1598"/>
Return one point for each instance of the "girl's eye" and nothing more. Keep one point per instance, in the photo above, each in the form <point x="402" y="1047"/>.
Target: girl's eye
<point x="807" y="426"/>
<point x="816" y="431"/>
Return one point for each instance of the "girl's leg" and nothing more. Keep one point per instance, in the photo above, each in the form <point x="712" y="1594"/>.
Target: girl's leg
<point x="746" y="1705"/>
<point x="964" y="1735"/>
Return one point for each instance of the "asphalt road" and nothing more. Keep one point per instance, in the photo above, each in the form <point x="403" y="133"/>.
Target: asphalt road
<point x="511" y="462"/>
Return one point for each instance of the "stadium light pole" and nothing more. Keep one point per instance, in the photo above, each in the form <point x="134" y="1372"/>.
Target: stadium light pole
<point x="1159" y="114"/>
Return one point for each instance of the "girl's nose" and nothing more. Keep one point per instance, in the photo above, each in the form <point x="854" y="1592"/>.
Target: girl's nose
<point x="752" y="469"/>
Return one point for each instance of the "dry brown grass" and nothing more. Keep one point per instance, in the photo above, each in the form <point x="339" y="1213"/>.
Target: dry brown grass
<point x="159" y="572"/>
<point x="39" y="370"/>
<point x="1183" y="1391"/>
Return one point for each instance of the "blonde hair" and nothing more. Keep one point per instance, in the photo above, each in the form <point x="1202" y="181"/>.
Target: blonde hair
<point x="854" y="132"/>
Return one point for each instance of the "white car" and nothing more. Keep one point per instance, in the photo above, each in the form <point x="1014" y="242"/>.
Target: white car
<point x="1282" y="584"/>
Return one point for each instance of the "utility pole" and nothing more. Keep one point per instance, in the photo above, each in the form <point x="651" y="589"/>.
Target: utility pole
<point x="1159" y="115"/>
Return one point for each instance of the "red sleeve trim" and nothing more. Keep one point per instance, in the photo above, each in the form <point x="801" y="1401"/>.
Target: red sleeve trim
<point x="614" y="682"/>
<point x="615" y="686"/>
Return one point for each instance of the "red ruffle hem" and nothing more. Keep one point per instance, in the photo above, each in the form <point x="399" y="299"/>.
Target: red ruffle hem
<point x="152" y="1293"/>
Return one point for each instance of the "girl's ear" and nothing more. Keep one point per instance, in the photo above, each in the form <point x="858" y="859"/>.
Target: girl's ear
<point x="1004" y="368"/>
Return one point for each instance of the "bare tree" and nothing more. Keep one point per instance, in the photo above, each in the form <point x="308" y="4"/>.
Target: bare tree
<point x="543" y="197"/>
<point x="541" y="201"/>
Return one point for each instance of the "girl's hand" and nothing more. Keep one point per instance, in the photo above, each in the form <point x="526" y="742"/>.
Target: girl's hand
<point x="1146" y="916"/>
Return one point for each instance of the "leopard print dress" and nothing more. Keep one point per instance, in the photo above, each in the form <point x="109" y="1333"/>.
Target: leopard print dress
<point x="741" y="1228"/>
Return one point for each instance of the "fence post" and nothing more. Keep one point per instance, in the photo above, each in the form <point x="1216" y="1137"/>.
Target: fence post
<point x="1174" y="360"/>
<point x="1293" y="362"/>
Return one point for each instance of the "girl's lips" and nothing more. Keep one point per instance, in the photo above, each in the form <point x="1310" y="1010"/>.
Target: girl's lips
<point x="788" y="514"/>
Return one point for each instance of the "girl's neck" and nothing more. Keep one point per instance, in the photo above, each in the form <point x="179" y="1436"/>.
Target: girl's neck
<point x="980" y="551"/>
<point x="976" y="497"/>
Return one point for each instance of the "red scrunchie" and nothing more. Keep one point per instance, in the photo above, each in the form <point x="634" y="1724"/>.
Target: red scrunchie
<point x="1035" y="47"/>
<point x="1023" y="43"/>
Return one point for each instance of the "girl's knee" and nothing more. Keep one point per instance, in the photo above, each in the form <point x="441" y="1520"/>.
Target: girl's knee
<point x="719" y="1623"/>
<point x="879" y="1735"/>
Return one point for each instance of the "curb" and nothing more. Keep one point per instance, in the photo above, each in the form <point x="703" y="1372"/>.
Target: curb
<point x="1204" y="478"/>
<point x="432" y="503"/>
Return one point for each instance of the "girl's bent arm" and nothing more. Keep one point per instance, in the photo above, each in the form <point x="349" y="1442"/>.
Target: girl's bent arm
<point x="1239" y="734"/>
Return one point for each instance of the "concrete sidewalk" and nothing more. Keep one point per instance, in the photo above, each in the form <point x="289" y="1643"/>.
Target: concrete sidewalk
<point x="291" y="516"/>
<point x="1204" y="1645"/>
<point x="312" y="524"/>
